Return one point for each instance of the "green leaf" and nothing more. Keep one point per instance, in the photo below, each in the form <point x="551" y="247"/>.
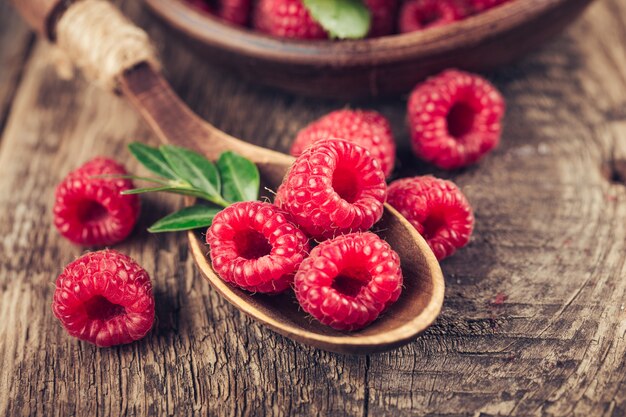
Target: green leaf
<point x="343" y="19"/>
<point x="189" y="218"/>
<point x="193" y="168"/>
<point x="152" y="159"/>
<point x="240" y="177"/>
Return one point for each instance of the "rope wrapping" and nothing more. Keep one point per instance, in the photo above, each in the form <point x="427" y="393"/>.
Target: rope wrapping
<point x="102" y="42"/>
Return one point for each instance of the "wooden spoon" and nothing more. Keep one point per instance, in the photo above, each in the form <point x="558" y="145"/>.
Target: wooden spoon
<point x="175" y="123"/>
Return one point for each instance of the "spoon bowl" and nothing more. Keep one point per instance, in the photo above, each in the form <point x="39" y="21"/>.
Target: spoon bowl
<point x="418" y="305"/>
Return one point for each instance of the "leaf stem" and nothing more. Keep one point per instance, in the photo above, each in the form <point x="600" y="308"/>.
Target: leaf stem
<point x="134" y="177"/>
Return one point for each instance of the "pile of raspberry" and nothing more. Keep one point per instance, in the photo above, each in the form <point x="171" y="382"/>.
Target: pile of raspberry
<point x="291" y="19"/>
<point x="334" y="194"/>
<point x="316" y="238"/>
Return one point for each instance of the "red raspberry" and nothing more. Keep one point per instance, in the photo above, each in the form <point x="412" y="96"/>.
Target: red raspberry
<point x="421" y="14"/>
<point x="233" y="11"/>
<point x="455" y="119"/>
<point x="437" y="209"/>
<point x="286" y="19"/>
<point x="255" y="246"/>
<point x="104" y="298"/>
<point x="368" y="129"/>
<point x="90" y="210"/>
<point x="348" y="281"/>
<point x="383" y="17"/>
<point x="334" y="187"/>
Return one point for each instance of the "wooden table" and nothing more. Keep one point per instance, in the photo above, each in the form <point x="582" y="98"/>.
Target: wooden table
<point x="534" y="320"/>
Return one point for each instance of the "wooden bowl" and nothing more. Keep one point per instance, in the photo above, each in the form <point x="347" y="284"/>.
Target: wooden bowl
<point x="371" y="67"/>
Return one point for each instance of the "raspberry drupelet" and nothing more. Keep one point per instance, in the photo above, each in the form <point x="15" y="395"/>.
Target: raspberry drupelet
<point x="422" y="14"/>
<point x="89" y="209"/>
<point x="454" y="119"/>
<point x="348" y="281"/>
<point x="383" y="17"/>
<point x="334" y="187"/>
<point x="437" y="209"/>
<point x="232" y="11"/>
<point x="104" y="298"/>
<point x="286" y="19"/>
<point x="256" y="247"/>
<point x="366" y="128"/>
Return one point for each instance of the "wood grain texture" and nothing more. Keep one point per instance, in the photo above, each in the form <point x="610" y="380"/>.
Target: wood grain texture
<point x="15" y="47"/>
<point x="534" y="321"/>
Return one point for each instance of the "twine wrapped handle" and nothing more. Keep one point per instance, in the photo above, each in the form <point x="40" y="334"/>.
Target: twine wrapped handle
<point x="102" y="42"/>
<point x="95" y="36"/>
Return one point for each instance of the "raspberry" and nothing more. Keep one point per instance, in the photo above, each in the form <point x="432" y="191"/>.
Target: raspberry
<point x="368" y="129"/>
<point x="348" y="281"/>
<point x="421" y="14"/>
<point x="255" y="246"/>
<point x="334" y="187"/>
<point x="90" y="210"/>
<point x="383" y="13"/>
<point x="104" y="298"/>
<point x="286" y="19"/>
<point x="455" y="119"/>
<point x="437" y="209"/>
<point x="233" y="11"/>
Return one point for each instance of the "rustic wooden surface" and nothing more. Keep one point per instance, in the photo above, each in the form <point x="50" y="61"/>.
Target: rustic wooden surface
<point x="534" y="321"/>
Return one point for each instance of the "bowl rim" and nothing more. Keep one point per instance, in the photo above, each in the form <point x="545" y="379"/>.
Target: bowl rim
<point x="381" y="50"/>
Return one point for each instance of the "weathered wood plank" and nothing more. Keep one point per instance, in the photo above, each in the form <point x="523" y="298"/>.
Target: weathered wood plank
<point x="551" y="236"/>
<point x="15" y="47"/>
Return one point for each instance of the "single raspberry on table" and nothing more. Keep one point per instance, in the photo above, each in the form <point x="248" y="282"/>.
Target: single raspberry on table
<point x="368" y="129"/>
<point x="256" y="247"/>
<point x="437" y="209"/>
<point x="286" y="19"/>
<point x="334" y="187"/>
<point x="348" y="281"/>
<point x="383" y="17"/>
<point x="421" y="14"/>
<point x="233" y="11"/>
<point x="89" y="209"/>
<point x="104" y="298"/>
<point x="455" y="118"/>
